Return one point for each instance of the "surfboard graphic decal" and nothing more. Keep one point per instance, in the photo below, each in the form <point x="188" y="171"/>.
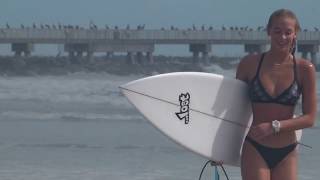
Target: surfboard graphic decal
<point x="184" y="100"/>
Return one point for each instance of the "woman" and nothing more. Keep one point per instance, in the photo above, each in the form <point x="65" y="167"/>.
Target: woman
<point x="276" y="80"/>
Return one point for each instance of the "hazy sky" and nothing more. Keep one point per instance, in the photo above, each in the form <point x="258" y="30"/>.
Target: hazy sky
<point x="155" y="13"/>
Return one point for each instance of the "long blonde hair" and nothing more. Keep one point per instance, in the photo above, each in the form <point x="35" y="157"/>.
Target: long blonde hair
<point x="283" y="13"/>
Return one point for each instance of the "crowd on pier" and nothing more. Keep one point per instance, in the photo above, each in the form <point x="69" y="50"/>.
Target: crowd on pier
<point x="93" y="26"/>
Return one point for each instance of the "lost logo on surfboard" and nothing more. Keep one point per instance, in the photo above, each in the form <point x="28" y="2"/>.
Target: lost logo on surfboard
<point x="184" y="107"/>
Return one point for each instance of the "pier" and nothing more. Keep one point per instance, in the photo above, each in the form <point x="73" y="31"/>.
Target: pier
<point x="138" y="43"/>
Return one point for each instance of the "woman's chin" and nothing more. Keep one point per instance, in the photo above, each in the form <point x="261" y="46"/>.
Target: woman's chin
<point x="282" y="49"/>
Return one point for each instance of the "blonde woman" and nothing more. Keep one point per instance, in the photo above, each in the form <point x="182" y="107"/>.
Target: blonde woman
<point x="276" y="80"/>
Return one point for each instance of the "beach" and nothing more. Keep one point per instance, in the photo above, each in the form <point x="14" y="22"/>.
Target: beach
<point x="72" y="123"/>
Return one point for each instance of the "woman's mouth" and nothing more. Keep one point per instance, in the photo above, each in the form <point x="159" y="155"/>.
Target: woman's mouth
<point x="283" y="44"/>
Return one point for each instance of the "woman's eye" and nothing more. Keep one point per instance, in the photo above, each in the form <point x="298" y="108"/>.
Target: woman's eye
<point x="288" y="33"/>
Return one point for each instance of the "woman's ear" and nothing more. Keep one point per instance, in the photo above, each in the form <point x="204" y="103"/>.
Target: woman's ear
<point x="294" y="44"/>
<point x="295" y="41"/>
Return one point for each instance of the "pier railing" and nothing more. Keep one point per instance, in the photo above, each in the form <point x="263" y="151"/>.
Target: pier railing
<point x="56" y="36"/>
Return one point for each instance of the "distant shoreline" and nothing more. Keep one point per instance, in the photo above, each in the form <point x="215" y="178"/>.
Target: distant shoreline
<point x="49" y="65"/>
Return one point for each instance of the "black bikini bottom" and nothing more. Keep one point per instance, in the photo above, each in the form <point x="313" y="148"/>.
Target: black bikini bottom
<point x="272" y="156"/>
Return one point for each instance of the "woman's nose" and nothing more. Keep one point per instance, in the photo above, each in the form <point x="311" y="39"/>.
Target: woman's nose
<point x="283" y="36"/>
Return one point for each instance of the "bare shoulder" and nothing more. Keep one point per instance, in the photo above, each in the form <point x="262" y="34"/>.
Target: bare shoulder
<point x="305" y="66"/>
<point x="304" y="63"/>
<point x="306" y="69"/>
<point x="248" y="66"/>
<point x="250" y="59"/>
<point x="249" y="62"/>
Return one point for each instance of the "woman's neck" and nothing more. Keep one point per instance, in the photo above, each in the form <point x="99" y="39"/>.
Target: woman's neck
<point x="278" y="57"/>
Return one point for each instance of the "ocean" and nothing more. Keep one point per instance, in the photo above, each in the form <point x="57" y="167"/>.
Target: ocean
<point x="78" y="126"/>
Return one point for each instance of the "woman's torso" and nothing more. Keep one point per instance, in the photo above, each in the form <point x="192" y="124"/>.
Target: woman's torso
<point x="274" y="92"/>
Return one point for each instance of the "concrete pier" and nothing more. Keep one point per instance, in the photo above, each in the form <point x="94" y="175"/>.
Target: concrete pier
<point x="130" y="58"/>
<point x="79" y="54"/>
<point x="79" y="41"/>
<point x="90" y="55"/>
<point x="313" y="49"/>
<point x="109" y="55"/>
<point x="205" y="57"/>
<point x="195" y="57"/>
<point x="196" y="49"/>
<point x="22" y="48"/>
<point x="255" y="48"/>
<point x="150" y="57"/>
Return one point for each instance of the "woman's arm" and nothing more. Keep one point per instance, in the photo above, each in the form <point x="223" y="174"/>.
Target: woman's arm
<point x="309" y="100"/>
<point x="243" y="69"/>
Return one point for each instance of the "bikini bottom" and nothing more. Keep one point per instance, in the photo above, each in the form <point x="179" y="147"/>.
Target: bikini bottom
<point x="272" y="156"/>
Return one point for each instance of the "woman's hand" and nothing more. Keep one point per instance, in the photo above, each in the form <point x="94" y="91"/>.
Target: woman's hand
<point x="261" y="131"/>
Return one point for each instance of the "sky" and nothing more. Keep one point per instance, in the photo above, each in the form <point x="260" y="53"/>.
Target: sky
<point x="155" y="14"/>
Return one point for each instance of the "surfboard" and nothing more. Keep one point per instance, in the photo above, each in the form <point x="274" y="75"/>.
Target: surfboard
<point x="209" y="114"/>
<point x="206" y="113"/>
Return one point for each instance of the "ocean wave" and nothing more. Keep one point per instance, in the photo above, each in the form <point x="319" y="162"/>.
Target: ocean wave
<point x="69" y="116"/>
<point x="169" y="149"/>
<point x="31" y="66"/>
<point x="87" y="88"/>
<point x="129" y="147"/>
<point x="60" y="145"/>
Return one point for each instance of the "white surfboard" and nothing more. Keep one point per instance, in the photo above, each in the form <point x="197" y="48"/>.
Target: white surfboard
<point x="206" y="113"/>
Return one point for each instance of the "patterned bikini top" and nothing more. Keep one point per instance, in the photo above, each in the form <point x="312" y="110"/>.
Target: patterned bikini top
<point x="258" y="93"/>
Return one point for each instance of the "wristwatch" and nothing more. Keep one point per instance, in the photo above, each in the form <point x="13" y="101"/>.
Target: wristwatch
<point x="276" y="126"/>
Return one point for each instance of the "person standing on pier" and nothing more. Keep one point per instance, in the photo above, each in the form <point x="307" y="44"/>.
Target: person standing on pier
<point x="276" y="80"/>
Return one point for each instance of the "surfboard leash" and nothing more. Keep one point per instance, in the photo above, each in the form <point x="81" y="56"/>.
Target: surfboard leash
<point x="302" y="144"/>
<point x="215" y="164"/>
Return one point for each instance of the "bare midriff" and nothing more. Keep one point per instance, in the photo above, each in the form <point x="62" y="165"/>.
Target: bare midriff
<point x="267" y="112"/>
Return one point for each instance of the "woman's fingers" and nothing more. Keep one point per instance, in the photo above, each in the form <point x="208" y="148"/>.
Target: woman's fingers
<point x="261" y="131"/>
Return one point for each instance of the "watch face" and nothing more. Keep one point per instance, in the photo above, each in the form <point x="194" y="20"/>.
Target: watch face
<point x="276" y="125"/>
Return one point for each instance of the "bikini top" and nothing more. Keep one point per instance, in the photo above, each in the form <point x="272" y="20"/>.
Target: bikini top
<point x="258" y="94"/>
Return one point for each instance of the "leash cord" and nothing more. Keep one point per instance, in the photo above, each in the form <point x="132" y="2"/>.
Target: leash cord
<point x="213" y="163"/>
